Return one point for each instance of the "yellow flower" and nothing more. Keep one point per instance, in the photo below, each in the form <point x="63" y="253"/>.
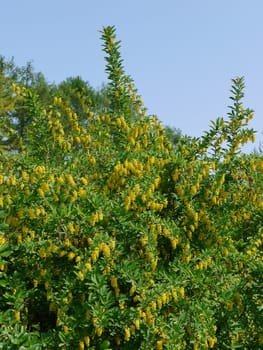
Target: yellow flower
<point x="19" y="238"/>
<point x="174" y="242"/>
<point x="81" y="345"/>
<point x="81" y="276"/>
<point x="144" y="198"/>
<point x="87" y="340"/>
<point x="99" y="331"/>
<point x="105" y="249"/>
<point x="112" y="244"/>
<point x="132" y="291"/>
<point x="71" y="255"/>
<point x="153" y="305"/>
<point x="2" y="239"/>
<point x="127" y="334"/>
<point x="25" y="176"/>
<point x="159" y="345"/>
<point x="195" y="346"/>
<point x="95" y="254"/>
<point x="35" y="282"/>
<point x="136" y="298"/>
<point x="78" y="258"/>
<point x="100" y="215"/>
<point x="93" y="161"/>
<point x="61" y="179"/>
<point x="114" y="282"/>
<point x="43" y="272"/>
<point x="42" y="253"/>
<point x="38" y="211"/>
<point x="159" y="302"/>
<point x="88" y="266"/>
<point x="82" y="192"/>
<point x="84" y="181"/>
<point x="211" y="342"/>
<point x="71" y="227"/>
<point x="154" y="264"/>
<point x="74" y="196"/>
<point x="181" y="291"/>
<point x="39" y="171"/>
<point x="44" y="187"/>
<point x="71" y="180"/>
<point x="174" y="295"/>
<point x="144" y="240"/>
<point x="65" y="300"/>
<point x="137" y="324"/>
<point x="17" y="315"/>
<point x="8" y="199"/>
<point x="67" y="242"/>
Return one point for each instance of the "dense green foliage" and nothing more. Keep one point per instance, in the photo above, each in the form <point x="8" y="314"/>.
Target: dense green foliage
<point x="111" y="237"/>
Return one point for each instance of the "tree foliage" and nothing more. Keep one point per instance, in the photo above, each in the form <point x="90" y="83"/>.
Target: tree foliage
<point x="111" y="238"/>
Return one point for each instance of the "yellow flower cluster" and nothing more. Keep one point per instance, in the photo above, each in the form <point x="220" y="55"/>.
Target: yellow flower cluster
<point x="204" y="264"/>
<point x="115" y="286"/>
<point x="96" y="217"/>
<point x="39" y="171"/>
<point x="122" y="170"/>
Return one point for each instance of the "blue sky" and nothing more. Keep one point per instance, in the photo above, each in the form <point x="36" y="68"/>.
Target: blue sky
<point x="182" y="54"/>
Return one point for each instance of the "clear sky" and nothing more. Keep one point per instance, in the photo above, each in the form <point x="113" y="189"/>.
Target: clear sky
<point x="182" y="54"/>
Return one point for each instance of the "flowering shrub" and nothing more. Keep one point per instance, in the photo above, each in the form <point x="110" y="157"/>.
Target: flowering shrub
<point x="111" y="238"/>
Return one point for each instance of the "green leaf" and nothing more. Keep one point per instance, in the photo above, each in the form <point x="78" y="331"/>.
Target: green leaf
<point x="5" y="250"/>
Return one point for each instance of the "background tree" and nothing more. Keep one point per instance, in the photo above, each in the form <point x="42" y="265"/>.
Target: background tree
<point x="17" y="119"/>
<point x="173" y="134"/>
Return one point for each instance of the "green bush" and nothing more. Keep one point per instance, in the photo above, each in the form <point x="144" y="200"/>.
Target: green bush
<point x="111" y="238"/>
